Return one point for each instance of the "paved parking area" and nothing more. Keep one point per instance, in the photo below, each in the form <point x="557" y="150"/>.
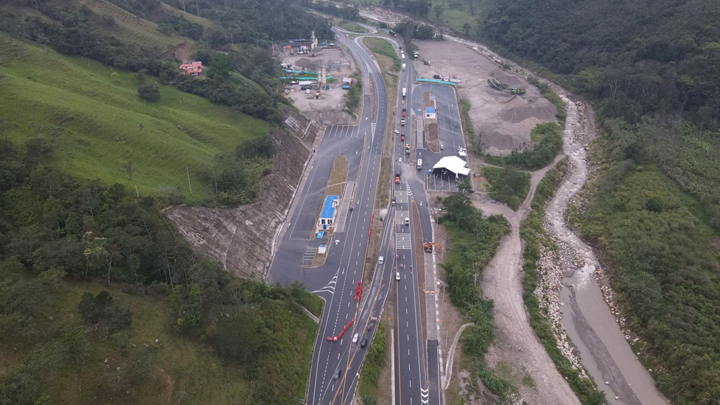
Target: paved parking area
<point x="441" y="182"/>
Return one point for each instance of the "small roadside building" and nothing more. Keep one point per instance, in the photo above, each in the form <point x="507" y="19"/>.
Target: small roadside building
<point x="326" y="222"/>
<point x="430" y="113"/>
<point x="191" y="69"/>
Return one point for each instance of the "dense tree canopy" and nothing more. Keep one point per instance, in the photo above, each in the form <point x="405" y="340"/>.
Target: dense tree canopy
<point x="640" y="57"/>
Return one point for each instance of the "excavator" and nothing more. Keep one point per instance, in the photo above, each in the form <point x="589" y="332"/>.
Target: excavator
<point x="429" y="246"/>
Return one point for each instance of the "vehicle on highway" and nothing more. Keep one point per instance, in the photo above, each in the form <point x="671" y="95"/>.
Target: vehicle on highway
<point x="442" y="147"/>
<point x="397" y="132"/>
<point x="419" y="164"/>
<point x="404" y="114"/>
<point x="336" y="375"/>
<point x="393" y="201"/>
<point x="462" y="152"/>
<point x="364" y="343"/>
<point x="356" y="337"/>
<point x="407" y="221"/>
<point x="404" y="92"/>
<point x="402" y="121"/>
<point x="381" y="259"/>
<point x="397" y="178"/>
<point x="403" y="66"/>
<point x="402" y="138"/>
<point x="397" y="275"/>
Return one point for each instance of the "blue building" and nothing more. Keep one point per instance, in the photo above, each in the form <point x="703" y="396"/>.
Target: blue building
<point x="326" y="222"/>
<point x="430" y="113"/>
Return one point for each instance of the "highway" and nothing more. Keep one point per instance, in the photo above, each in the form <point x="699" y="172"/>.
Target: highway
<point x="336" y="364"/>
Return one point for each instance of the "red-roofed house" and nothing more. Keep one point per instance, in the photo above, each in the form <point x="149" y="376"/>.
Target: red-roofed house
<point x="191" y="69"/>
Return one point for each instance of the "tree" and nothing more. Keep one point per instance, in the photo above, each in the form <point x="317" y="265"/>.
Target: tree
<point x="439" y="9"/>
<point x="466" y="29"/>
<point x="464" y="186"/>
<point x="149" y="92"/>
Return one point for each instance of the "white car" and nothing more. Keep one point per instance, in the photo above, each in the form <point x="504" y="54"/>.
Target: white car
<point x="381" y="259"/>
<point x="462" y="152"/>
<point x="356" y="337"/>
<point x="397" y="276"/>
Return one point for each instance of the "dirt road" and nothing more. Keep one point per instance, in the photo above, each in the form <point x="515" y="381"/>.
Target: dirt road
<point x="516" y="344"/>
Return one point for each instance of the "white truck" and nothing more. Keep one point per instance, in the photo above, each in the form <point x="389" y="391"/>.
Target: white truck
<point x="404" y="92"/>
<point x="403" y="66"/>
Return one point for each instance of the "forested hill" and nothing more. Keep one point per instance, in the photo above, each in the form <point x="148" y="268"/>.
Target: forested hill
<point x="657" y="57"/>
<point x="101" y="301"/>
<point x="651" y="69"/>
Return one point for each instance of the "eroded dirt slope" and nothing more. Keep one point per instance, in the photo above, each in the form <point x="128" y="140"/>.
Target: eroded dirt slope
<point x="241" y="238"/>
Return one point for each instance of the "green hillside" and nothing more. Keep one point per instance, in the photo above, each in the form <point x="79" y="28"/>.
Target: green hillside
<point x="57" y="356"/>
<point x="97" y="121"/>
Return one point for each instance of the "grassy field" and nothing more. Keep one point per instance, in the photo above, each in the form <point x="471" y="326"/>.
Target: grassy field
<point x="98" y="123"/>
<point x="353" y="26"/>
<point x="383" y="47"/>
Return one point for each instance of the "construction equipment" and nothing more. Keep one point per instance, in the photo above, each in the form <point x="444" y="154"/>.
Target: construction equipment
<point x="429" y="247"/>
<point x="495" y="84"/>
<point x="517" y="90"/>
<point x="338" y="337"/>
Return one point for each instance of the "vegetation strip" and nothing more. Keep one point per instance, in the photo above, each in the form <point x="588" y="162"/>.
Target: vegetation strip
<point x="473" y="242"/>
<point x="373" y="366"/>
<point x="534" y="236"/>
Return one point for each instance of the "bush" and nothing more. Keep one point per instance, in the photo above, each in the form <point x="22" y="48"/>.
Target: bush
<point x="149" y="92"/>
<point x="508" y="185"/>
<point x="99" y="310"/>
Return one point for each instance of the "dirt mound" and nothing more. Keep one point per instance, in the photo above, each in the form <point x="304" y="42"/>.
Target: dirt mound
<point x="306" y="63"/>
<point x="241" y="238"/>
<point x="542" y="110"/>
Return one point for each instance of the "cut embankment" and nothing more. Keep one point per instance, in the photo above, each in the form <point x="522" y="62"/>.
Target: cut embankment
<point x="99" y="127"/>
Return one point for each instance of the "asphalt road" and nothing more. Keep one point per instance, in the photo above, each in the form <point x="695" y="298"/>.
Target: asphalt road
<point x="450" y="133"/>
<point x="335" y="364"/>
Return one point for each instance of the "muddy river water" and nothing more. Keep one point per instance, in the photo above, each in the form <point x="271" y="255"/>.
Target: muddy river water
<point x="591" y="326"/>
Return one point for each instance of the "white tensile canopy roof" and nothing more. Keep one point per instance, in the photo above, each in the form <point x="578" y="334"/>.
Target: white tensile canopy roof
<point x="453" y="164"/>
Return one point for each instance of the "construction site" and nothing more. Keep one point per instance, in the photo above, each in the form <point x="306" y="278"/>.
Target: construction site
<point x="316" y="77"/>
<point x="504" y="106"/>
